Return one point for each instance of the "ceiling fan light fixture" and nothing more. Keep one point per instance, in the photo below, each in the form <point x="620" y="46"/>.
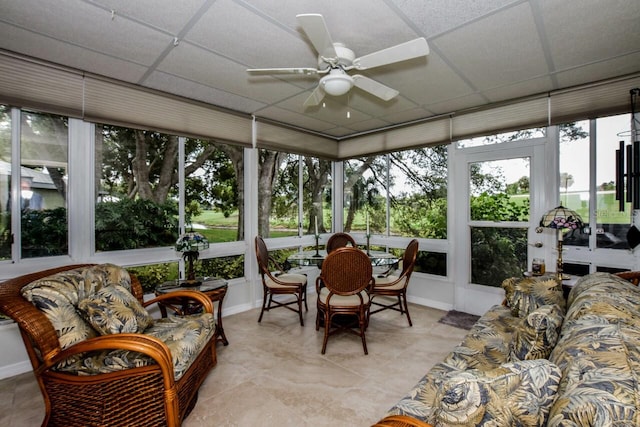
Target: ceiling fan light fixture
<point x="336" y="83"/>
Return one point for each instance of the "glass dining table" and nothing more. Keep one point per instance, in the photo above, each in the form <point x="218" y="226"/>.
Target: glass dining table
<point x="305" y="258"/>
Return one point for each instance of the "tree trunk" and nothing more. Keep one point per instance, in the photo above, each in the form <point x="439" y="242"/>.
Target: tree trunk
<point x="268" y="170"/>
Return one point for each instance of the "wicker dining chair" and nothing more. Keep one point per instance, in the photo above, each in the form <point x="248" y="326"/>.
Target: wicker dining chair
<point x="276" y="282"/>
<point x="346" y="278"/>
<point x="339" y="240"/>
<point x="396" y="285"/>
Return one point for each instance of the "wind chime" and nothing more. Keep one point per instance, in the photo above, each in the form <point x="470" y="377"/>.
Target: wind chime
<point x="628" y="171"/>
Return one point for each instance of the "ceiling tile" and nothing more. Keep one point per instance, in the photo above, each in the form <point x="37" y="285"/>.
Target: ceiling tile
<point x="193" y="90"/>
<point x="519" y="90"/>
<point x="33" y="44"/>
<point x="88" y="26"/>
<point x="500" y="49"/>
<point x="192" y="63"/>
<point x="170" y="16"/>
<point x="604" y="24"/>
<point x="600" y="70"/>
<point x="438" y="16"/>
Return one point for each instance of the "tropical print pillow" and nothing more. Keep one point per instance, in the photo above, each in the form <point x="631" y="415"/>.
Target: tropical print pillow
<point x="537" y="334"/>
<point x="485" y="347"/>
<point x="526" y="295"/>
<point x="515" y="394"/>
<point x="113" y="310"/>
<point x="99" y="276"/>
<point x="57" y="296"/>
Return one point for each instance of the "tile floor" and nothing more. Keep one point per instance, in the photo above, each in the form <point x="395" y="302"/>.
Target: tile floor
<point x="272" y="373"/>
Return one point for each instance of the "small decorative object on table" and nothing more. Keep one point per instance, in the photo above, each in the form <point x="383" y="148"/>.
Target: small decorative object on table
<point x="317" y="236"/>
<point x="190" y="244"/>
<point x="538" y="267"/>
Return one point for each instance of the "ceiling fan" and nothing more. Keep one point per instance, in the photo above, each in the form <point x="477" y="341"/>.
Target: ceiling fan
<point x="335" y="60"/>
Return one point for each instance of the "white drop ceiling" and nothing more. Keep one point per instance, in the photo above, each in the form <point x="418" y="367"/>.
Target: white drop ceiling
<point x="482" y="52"/>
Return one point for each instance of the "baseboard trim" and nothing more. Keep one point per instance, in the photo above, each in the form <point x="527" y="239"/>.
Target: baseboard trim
<point x="15" y="369"/>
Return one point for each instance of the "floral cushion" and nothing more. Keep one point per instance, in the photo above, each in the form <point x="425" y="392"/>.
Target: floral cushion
<point x="526" y="295"/>
<point x="537" y="334"/>
<point x="485" y="347"/>
<point x="515" y="394"/>
<point x="185" y="337"/>
<point x="107" y="274"/>
<point x="113" y="310"/>
<point x="598" y="353"/>
<point x="57" y="297"/>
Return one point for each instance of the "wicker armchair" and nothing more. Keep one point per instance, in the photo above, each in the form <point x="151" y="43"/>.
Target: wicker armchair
<point x="396" y="285"/>
<point x="339" y="240"/>
<point x="347" y="278"/>
<point x="145" y="395"/>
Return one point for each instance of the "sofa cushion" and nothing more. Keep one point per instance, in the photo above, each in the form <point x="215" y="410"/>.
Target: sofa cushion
<point x="526" y="295"/>
<point x="101" y="275"/>
<point x="515" y="394"/>
<point x="537" y="334"/>
<point x="185" y="336"/>
<point x="486" y="346"/>
<point x="57" y="297"/>
<point x="601" y="367"/>
<point x="114" y="310"/>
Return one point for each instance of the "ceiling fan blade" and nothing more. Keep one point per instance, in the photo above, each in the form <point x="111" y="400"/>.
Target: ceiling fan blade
<point x="374" y="88"/>
<point x="401" y="52"/>
<point x="316" y="29"/>
<point x="315" y="98"/>
<point x="306" y="71"/>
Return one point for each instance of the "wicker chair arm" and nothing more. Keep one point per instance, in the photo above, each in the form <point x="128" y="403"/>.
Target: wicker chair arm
<point x="395" y="282"/>
<point x="631" y="276"/>
<point x="400" y="421"/>
<point x="318" y="284"/>
<point x="199" y="297"/>
<point x="147" y="345"/>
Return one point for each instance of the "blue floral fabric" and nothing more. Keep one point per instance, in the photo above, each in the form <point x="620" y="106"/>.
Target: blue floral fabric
<point x="91" y="301"/>
<point x="599" y="355"/>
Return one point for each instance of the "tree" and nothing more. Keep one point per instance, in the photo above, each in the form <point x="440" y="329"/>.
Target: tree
<point x="566" y="181"/>
<point x="269" y="164"/>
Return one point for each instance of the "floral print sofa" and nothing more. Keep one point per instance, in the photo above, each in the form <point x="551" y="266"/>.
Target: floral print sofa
<point x="99" y="356"/>
<point x="538" y="360"/>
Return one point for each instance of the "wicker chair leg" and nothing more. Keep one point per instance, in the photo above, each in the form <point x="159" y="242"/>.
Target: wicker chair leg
<point x="327" y="325"/>
<point x="299" y="295"/>
<point x="406" y="308"/>
<point x="362" y="322"/>
<point x="264" y="303"/>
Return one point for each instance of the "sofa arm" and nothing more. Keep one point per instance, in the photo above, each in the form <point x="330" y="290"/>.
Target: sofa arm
<point x="179" y="300"/>
<point x="400" y="421"/>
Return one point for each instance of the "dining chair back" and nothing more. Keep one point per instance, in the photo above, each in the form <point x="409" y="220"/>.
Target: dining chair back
<point x="396" y="285"/>
<point x="346" y="278"/>
<point x="339" y="240"/>
<point x="275" y="281"/>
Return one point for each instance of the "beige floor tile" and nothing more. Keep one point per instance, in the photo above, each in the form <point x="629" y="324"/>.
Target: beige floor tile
<point x="272" y="373"/>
